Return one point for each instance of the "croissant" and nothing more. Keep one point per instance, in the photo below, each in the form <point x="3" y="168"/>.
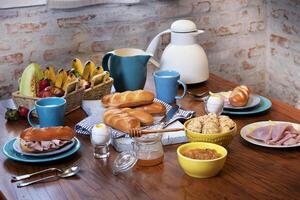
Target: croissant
<point x="239" y="96"/>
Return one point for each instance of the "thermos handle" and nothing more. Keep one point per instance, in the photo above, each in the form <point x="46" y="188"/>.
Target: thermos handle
<point x="105" y="61"/>
<point x="184" y="89"/>
<point x="29" y="115"/>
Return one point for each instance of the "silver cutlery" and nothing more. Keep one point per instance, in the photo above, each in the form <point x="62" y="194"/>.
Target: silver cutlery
<point x="66" y="173"/>
<point x="26" y="176"/>
<point x="198" y="95"/>
<point x="164" y="122"/>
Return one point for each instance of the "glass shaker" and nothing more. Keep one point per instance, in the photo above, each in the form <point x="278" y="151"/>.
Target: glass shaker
<point x="147" y="151"/>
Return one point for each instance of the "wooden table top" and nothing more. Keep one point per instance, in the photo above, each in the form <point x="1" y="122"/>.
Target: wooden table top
<point x="250" y="172"/>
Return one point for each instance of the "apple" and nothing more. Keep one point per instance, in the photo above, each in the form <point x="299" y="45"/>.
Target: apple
<point x="46" y="92"/>
<point x="23" y="111"/>
<point x="43" y="84"/>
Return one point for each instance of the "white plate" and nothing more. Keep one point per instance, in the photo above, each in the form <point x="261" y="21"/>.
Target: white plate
<point x="251" y="127"/>
<point x="253" y="101"/>
<point x="17" y="148"/>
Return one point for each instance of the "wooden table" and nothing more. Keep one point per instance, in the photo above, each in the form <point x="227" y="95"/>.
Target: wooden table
<point x="250" y="172"/>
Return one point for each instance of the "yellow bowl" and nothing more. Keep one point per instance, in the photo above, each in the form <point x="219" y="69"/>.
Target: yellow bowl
<point x="223" y="139"/>
<point x="201" y="168"/>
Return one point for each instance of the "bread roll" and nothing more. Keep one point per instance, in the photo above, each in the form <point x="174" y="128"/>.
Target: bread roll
<point x="120" y="120"/>
<point x="47" y="134"/>
<point x="155" y="108"/>
<point x="128" y="99"/>
<point x="145" y="118"/>
<point x="239" y="96"/>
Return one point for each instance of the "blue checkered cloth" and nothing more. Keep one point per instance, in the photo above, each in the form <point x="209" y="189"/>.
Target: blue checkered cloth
<point x="85" y="126"/>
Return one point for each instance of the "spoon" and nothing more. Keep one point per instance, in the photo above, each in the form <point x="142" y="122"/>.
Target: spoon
<point x="66" y="173"/>
<point x="197" y="95"/>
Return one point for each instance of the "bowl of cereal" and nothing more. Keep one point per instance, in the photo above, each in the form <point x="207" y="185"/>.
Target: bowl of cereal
<point x="211" y="128"/>
<point x="201" y="159"/>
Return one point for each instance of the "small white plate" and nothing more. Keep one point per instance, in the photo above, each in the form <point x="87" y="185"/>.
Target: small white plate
<point x="253" y="101"/>
<point x="17" y="148"/>
<point x="251" y="127"/>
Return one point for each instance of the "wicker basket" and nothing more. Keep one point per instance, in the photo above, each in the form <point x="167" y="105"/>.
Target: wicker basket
<point x="73" y="96"/>
<point x="223" y="139"/>
<point x="98" y="88"/>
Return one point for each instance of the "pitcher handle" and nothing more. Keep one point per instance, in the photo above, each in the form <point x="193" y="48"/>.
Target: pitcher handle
<point x="105" y="61"/>
<point x="184" y="89"/>
<point x="29" y="115"/>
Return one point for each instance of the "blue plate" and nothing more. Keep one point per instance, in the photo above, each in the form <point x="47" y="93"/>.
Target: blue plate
<point x="9" y="151"/>
<point x="264" y="105"/>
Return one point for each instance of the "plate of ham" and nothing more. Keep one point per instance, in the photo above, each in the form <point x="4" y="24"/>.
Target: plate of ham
<point x="45" y="145"/>
<point x="275" y="134"/>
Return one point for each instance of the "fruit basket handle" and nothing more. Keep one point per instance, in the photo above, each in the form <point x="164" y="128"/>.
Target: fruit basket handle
<point x="73" y="86"/>
<point x="98" y="79"/>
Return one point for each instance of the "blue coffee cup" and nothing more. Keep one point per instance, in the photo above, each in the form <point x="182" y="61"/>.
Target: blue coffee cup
<point x="50" y="111"/>
<point x="166" y="86"/>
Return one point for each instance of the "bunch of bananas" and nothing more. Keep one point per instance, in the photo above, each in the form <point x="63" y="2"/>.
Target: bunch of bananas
<point x="88" y="72"/>
<point x="61" y="79"/>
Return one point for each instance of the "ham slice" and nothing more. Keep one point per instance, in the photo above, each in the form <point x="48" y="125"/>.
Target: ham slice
<point x="45" y="145"/>
<point x="278" y="134"/>
<point x="261" y="133"/>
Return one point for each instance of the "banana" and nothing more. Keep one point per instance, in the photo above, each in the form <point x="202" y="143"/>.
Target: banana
<point x="106" y="76"/>
<point x="88" y="71"/>
<point x="98" y="70"/>
<point x="60" y="78"/>
<point x="49" y="73"/>
<point x="70" y="78"/>
<point x="77" y="65"/>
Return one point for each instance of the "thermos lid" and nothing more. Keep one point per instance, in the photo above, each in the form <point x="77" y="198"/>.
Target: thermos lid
<point x="183" y="26"/>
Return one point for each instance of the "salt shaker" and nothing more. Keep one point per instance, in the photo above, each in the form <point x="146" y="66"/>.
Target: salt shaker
<point x="100" y="139"/>
<point x="214" y="104"/>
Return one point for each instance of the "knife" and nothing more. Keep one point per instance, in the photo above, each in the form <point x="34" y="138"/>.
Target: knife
<point x="169" y="115"/>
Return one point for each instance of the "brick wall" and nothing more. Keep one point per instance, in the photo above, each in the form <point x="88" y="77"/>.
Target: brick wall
<point x="283" y="61"/>
<point x="235" y="37"/>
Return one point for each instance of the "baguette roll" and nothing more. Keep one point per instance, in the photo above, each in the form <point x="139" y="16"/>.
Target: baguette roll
<point x="154" y="108"/>
<point x="47" y="134"/>
<point x="120" y="120"/>
<point x="145" y="118"/>
<point x="128" y="99"/>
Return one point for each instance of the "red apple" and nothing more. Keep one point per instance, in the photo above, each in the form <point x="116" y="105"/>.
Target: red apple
<point x="43" y="84"/>
<point x="23" y="111"/>
<point x="46" y="92"/>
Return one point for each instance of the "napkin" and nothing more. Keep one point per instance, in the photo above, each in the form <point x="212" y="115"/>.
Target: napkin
<point x="96" y="111"/>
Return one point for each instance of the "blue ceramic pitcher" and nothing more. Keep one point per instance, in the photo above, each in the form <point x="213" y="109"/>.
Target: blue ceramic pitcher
<point x="128" y="68"/>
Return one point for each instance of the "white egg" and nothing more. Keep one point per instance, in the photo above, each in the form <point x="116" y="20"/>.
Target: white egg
<point x="100" y="134"/>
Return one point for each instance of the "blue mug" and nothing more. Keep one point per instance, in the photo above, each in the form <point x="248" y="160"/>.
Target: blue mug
<point x="166" y="86"/>
<point x="50" y="111"/>
<point x="128" y="68"/>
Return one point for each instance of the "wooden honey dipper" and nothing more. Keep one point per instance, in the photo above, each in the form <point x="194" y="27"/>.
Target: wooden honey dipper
<point x="138" y="132"/>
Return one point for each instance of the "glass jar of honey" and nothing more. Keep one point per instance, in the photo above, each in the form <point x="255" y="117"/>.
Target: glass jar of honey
<point x="149" y="150"/>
